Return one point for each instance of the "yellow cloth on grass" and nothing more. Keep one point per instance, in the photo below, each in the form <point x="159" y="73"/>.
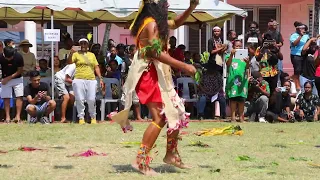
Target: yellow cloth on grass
<point x="85" y="66"/>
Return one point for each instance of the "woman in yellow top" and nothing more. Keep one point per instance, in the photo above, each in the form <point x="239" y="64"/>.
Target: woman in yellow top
<point x="150" y="76"/>
<point x="85" y="83"/>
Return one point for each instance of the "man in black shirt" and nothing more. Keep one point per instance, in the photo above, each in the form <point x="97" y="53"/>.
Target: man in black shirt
<point x="38" y="96"/>
<point x="12" y="66"/>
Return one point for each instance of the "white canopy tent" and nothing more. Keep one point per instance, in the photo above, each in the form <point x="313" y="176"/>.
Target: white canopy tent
<point x="98" y="11"/>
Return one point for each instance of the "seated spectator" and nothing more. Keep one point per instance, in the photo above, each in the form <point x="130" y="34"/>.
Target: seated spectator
<point x="279" y="105"/>
<point x="293" y="91"/>
<point x="257" y="102"/>
<point x="63" y="84"/>
<point x="44" y="71"/>
<point x="56" y="64"/>
<point x="38" y="96"/>
<point x="114" y="56"/>
<point x="28" y="57"/>
<point x="307" y="105"/>
<point x="113" y="70"/>
<point x="187" y="57"/>
<point x="210" y="85"/>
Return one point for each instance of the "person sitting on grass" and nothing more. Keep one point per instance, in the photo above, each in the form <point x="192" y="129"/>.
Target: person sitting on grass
<point x="307" y="104"/>
<point x="38" y="96"/>
<point x="237" y="81"/>
<point x="279" y="105"/>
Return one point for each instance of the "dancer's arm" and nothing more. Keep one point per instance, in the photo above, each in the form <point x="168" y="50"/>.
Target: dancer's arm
<point x="179" y="20"/>
<point x="152" y="32"/>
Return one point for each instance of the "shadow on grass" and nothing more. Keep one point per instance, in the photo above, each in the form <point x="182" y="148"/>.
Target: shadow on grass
<point x="160" y="169"/>
<point x="58" y="147"/>
<point x="5" y="166"/>
<point x="63" y="167"/>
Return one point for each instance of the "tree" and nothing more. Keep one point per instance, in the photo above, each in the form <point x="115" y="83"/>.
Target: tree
<point x="106" y="38"/>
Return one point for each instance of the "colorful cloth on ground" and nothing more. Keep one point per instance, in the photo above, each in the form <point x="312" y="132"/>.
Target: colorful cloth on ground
<point x="229" y="130"/>
<point x="266" y="69"/>
<point x="237" y="81"/>
<point x="173" y="110"/>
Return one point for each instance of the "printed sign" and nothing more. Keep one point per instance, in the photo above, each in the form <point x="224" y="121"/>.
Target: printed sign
<point x="51" y="35"/>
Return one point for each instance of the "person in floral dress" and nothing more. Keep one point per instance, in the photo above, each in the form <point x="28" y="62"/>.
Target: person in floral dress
<point x="237" y="81"/>
<point x="307" y="104"/>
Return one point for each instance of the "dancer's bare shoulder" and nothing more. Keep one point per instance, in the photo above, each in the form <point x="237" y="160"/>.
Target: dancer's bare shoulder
<point x="150" y="32"/>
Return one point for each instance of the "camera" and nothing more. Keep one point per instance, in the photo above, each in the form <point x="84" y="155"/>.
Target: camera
<point x="254" y="82"/>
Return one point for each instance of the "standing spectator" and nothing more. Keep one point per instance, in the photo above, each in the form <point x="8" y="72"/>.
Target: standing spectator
<point x="96" y="50"/>
<point x="216" y="49"/>
<point x="268" y="57"/>
<point x="279" y="105"/>
<point x="44" y="70"/>
<point x="63" y="84"/>
<point x="308" y="104"/>
<point x="309" y="70"/>
<point x="122" y="54"/>
<point x="38" y="96"/>
<point x="84" y="83"/>
<point x="10" y="43"/>
<point x="29" y="59"/>
<point x="253" y="32"/>
<point x="1" y="46"/>
<point x="259" y="93"/>
<point x="237" y="82"/>
<point x="297" y="41"/>
<point x="187" y="57"/>
<point x="65" y="51"/>
<point x="254" y="64"/>
<point x="276" y="36"/>
<point x="173" y="44"/>
<point x="231" y="36"/>
<point x="12" y="67"/>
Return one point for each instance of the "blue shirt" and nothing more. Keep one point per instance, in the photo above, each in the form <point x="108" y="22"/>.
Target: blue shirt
<point x="296" y="50"/>
<point x="118" y="59"/>
<point x="117" y="75"/>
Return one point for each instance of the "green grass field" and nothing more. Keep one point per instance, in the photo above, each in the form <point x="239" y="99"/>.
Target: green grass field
<point x="276" y="151"/>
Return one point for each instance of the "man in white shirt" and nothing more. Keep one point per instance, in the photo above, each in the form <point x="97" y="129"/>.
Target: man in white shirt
<point x="63" y="83"/>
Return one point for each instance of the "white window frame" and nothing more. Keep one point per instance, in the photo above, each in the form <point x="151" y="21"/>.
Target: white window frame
<point x="255" y="9"/>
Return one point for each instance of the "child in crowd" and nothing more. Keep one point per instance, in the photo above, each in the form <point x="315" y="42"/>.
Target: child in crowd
<point x="237" y="81"/>
<point x="44" y="71"/>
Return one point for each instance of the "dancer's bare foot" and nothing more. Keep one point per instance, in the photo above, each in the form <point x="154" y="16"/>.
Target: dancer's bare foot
<point x="172" y="159"/>
<point x="144" y="169"/>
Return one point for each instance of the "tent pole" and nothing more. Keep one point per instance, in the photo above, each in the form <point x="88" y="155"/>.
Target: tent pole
<point x="52" y="66"/>
<point x="199" y="39"/>
<point x="243" y="31"/>
<point x="224" y="68"/>
<point x="225" y="28"/>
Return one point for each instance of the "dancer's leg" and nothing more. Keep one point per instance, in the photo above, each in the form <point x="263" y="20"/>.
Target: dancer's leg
<point x="149" y="137"/>
<point x="172" y="155"/>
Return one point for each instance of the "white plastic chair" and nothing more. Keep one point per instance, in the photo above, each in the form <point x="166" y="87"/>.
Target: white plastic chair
<point x="108" y="95"/>
<point x="185" y="81"/>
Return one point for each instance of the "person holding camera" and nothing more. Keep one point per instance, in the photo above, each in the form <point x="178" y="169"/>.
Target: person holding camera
<point x="279" y="105"/>
<point x="309" y="69"/>
<point x="258" y="98"/>
<point x="237" y="81"/>
<point x="254" y="32"/>
<point x="268" y="56"/>
<point x="297" y="42"/>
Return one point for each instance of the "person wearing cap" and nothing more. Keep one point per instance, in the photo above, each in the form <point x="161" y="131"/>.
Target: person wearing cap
<point x="258" y="97"/>
<point x="85" y="83"/>
<point x="29" y="59"/>
<point x="297" y="41"/>
<point x="216" y="48"/>
<point x="12" y="67"/>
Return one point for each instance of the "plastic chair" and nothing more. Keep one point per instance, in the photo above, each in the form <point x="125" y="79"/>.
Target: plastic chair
<point x="108" y="95"/>
<point x="185" y="81"/>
